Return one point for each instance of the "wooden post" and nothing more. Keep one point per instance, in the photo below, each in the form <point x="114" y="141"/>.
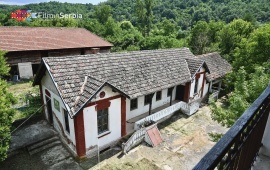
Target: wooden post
<point x="171" y="96"/>
<point x="150" y="104"/>
<point x="219" y="87"/>
<point x="171" y="100"/>
<point x="210" y="87"/>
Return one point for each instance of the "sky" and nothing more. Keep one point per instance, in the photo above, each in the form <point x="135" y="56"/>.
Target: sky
<point x="22" y="2"/>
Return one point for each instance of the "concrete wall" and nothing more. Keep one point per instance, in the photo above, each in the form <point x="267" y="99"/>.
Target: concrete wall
<point x="92" y="139"/>
<point x="58" y="116"/>
<point x="145" y="108"/>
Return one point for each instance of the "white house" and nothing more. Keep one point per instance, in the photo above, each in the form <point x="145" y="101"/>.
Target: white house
<point x="90" y="99"/>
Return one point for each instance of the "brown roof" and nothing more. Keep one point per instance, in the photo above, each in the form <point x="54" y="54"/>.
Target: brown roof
<point x="47" y="38"/>
<point x="217" y="66"/>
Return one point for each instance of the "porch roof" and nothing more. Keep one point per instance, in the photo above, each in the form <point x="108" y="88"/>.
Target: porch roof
<point x="218" y="66"/>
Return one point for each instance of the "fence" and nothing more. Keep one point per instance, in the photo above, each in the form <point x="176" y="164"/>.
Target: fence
<point x="239" y="147"/>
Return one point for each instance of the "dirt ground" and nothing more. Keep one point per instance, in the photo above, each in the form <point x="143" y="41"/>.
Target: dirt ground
<point x="186" y="141"/>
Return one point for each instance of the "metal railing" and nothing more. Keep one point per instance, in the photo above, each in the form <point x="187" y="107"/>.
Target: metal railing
<point x="239" y="147"/>
<point x="160" y="115"/>
<point x="134" y="140"/>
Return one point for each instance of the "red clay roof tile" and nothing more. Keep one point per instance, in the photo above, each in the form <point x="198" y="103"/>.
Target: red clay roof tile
<point x="47" y="38"/>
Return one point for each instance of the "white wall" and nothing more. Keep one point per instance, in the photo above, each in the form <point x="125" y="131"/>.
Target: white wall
<point x="145" y="108"/>
<point x="206" y="87"/>
<point x="47" y="83"/>
<point x="108" y="93"/>
<point x="200" y="83"/>
<point x="90" y="123"/>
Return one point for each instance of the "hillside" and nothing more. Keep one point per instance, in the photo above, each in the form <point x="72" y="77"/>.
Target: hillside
<point x="185" y="13"/>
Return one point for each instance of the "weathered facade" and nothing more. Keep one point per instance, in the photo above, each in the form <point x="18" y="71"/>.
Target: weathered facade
<point x="91" y="99"/>
<point x="26" y="46"/>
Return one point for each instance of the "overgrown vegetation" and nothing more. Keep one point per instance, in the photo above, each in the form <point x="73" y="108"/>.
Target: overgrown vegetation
<point x="31" y="101"/>
<point x="6" y="112"/>
<point x="215" y="136"/>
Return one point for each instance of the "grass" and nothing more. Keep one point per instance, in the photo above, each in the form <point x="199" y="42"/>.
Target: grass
<point x="215" y="136"/>
<point x="19" y="88"/>
<point x="22" y="91"/>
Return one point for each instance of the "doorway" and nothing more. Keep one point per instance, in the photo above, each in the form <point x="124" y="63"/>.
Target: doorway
<point x="180" y="92"/>
<point x="49" y="109"/>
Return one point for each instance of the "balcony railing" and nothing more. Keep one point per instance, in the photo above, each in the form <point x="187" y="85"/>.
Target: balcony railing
<point x="239" y="147"/>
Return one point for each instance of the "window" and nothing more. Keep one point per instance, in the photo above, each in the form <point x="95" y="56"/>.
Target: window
<point x="134" y="104"/>
<point x="158" y="96"/>
<point x="102" y="119"/>
<point x="196" y="86"/>
<point x="147" y="99"/>
<point x="170" y="91"/>
<point x="66" y="121"/>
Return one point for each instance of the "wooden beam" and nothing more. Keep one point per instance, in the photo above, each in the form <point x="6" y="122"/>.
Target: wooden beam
<point x="150" y="104"/>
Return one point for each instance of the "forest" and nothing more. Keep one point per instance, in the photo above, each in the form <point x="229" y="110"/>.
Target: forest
<point x="238" y="29"/>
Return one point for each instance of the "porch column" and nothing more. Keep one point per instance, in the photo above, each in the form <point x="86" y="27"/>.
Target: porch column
<point x="79" y="134"/>
<point x="123" y="116"/>
<point x="210" y="87"/>
<point x="187" y="92"/>
<point x="219" y="87"/>
<point x="150" y="104"/>
<point x="204" y="81"/>
<point x="170" y="99"/>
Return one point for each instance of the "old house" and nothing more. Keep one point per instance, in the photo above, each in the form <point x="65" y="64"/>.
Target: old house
<point x="25" y="46"/>
<point x="92" y="99"/>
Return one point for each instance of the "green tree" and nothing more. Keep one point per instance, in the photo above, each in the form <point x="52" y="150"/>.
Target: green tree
<point x="231" y="35"/>
<point x="254" y="50"/>
<point x="103" y="12"/>
<point x="248" y="87"/>
<point x="6" y="112"/>
<point x="144" y="13"/>
<point x="199" y="38"/>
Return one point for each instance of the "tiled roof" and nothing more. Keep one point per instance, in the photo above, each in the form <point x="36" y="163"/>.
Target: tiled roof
<point x="47" y="38"/>
<point x="133" y="73"/>
<point x="218" y="66"/>
<point x="194" y="65"/>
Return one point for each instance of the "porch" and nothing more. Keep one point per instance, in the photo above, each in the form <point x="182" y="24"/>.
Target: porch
<point x="247" y="143"/>
<point x="131" y="122"/>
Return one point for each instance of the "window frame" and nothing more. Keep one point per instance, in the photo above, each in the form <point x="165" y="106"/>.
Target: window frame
<point x="131" y="104"/>
<point x="147" y="99"/>
<point x="103" y="117"/>
<point x="160" y="96"/>
<point x="66" y="121"/>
